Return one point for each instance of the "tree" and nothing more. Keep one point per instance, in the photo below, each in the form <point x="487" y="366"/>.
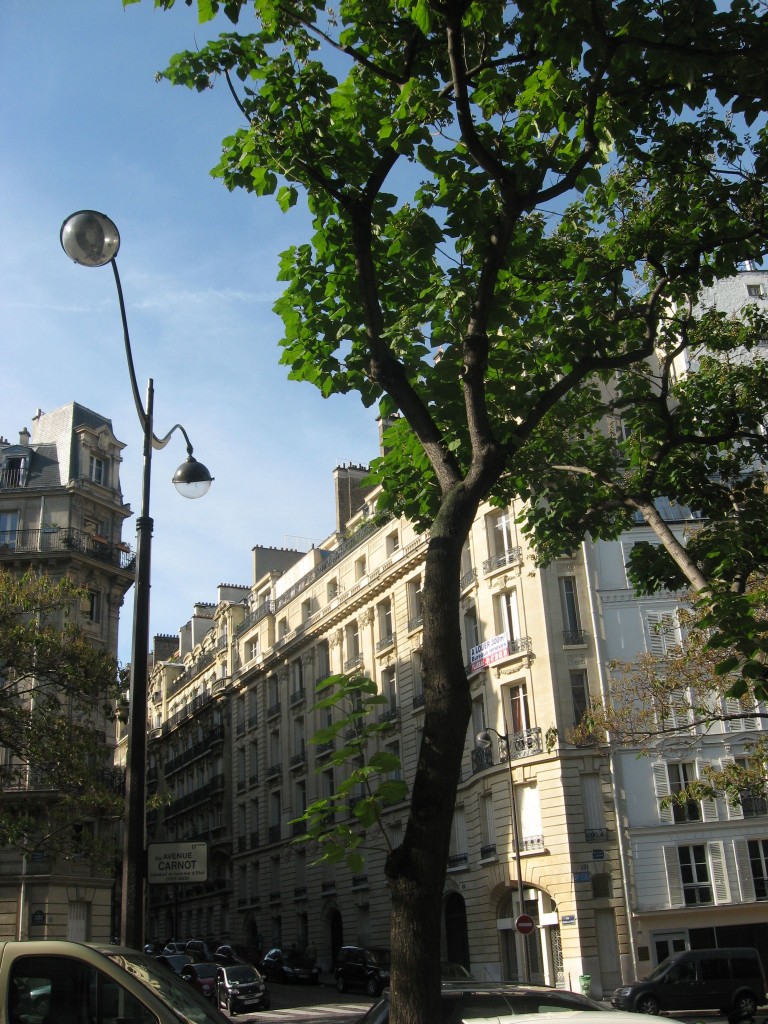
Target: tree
<point x="57" y="692"/>
<point x="507" y="201"/>
<point x="676" y="697"/>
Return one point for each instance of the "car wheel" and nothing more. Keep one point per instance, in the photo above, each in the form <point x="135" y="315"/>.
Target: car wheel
<point x="372" y="987"/>
<point x="745" y="1004"/>
<point x="341" y="985"/>
<point x="647" y="1004"/>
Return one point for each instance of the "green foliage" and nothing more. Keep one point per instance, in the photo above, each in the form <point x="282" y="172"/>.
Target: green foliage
<point x="57" y="696"/>
<point x="337" y="824"/>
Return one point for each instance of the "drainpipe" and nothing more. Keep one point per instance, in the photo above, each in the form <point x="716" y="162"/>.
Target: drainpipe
<point x="612" y="762"/>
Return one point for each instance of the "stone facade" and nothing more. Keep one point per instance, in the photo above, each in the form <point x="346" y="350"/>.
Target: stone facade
<point x="62" y="513"/>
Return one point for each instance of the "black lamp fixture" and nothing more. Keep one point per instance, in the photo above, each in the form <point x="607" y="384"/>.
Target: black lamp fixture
<point x="92" y="240"/>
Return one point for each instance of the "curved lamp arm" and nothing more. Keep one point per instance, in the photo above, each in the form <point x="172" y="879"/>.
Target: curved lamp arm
<point x="92" y="240"/>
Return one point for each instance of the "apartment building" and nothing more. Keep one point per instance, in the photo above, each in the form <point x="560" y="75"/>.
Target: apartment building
<point x="61" y="514"/>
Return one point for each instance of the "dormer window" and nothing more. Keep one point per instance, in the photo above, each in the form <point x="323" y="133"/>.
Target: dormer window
<point x="97" y="470"/>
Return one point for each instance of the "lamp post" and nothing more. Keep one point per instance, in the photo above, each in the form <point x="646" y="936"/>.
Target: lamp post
<point x="92" y="240"/>
<point x="483" y="740"/>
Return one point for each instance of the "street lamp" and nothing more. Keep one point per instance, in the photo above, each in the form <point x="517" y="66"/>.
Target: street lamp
<point x="92" y="240"/>
<point x="483" y="740"/>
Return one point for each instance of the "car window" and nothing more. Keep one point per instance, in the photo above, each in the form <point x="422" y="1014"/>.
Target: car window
<point x="169" y="987"/>
<point x="476" y="1006"/>
<point x="744" y="967"/>
<point x="77" y="992"/>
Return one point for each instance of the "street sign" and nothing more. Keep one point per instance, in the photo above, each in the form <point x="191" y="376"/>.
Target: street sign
<point x="177" y="862"/>
<point x="525" y="924"/>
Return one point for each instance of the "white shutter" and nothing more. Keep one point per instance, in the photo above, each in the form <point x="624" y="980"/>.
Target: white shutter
<point x="731" y="706"/>
<point x="661" y="784"/>
<point x="744" y="871"/>
<point x="737" y="812"/>
<point x="719" y="876"/>
<point x="674" y="879"/>
<point x="708" y="805"/>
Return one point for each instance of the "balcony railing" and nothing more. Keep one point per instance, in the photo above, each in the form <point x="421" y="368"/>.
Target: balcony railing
<point x="510" y="557"/>
<point x="574" y="637"/>
<point x="523" y="744"/>
<point x="66" y="540"/>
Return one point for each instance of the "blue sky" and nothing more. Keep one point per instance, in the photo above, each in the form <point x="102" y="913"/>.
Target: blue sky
<point x="86" y="126"/>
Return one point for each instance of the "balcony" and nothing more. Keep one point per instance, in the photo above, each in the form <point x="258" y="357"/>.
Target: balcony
<point x="574" y="638"/>
<point x="66" y="541"/>
<point x="273" y="710"/>
<point x="511" y="557"/>
<point x="523" y="744"/>
<point x="297" y="697"/>
<point x="385" y="643"/>
<point x="354" y="662"/>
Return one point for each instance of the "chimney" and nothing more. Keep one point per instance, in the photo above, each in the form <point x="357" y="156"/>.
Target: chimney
<point x="24" y="437"/>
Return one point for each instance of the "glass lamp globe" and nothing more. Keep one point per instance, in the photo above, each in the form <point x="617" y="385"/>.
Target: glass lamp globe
<point x="90" y="238"/>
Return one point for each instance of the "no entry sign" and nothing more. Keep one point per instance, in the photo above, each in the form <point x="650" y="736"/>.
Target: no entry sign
<point x="525" y="924"/>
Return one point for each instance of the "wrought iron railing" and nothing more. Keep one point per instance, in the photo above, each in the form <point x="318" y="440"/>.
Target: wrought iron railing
<point x="66" y="540"/>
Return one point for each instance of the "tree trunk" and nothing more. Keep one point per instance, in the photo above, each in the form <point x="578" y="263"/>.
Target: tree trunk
<point x="416" y="870"/>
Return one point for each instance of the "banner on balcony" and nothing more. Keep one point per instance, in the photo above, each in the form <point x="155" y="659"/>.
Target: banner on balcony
<point x="489" y="651"/>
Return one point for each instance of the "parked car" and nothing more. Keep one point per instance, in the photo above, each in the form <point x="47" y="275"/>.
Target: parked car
<point x="451" y="971"/>
<point x="241" y="987"/>
<point x="728" y="980"/>
<point x="199" y="950"/>
<point x="174" y="947"/>
<point x="95" y="982"/>
<point x="229" y="954"/>
<point x="290" y="966"/>
<point x="174" y="961"/>
<point x="499" y="1000"/>
<point x="365" y="967"/>
<point x="201" y="977"/>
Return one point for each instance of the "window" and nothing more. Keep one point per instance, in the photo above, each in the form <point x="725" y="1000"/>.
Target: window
<point x="457" y="854"/>
<point x="297" y="677"/>
<point x="392" y="543"/>
<point x="299" y="744"/>
<point x="384" y="616"/>
<point x="332" y="589"/>
<point x="360" y="567"/>
<point x="91" y="994"/>
<point x="487" y="826"/>
<point x="240" y="715"/>
<point x="471" y="630"/>
<point x="306" y="610"/>
<point x="415" y="607"/>
<point x="9" y="525"/>
<point x="389" y="688"/>
<point x="274" y="747"/>
<point x="518" y="706"/>
<point x="299" y="797"/>
<point x="662" y="633"/>
<point x="394" y="749"/>
<point x="681" y="774"/>
<point x="241" y="768"/>
<point x="253" y="761"/>
<point x="418" y="678"/>
<point x="758" y="862"/>
<point x="352" y="639"/>
<point x="755" y="291"/>
<point x="754" y="801"/>
<point x="93" y="610"/>
<point x="572" y="632"/>
<point x="322" y="662"/>
<point x="502" y="547"/>
<point x="97" y="470"/>
<point x="695" y="874"/>
<point x="252" y="649"/>
<point x="507" y="617"/>
<point x="529" y="816"/>
<point x="592" y="804"/>
<point x="579" y="693"/>
<point x="282" y="628"/>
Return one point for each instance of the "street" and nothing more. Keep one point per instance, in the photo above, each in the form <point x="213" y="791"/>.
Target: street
<point x="300" y="1004"/>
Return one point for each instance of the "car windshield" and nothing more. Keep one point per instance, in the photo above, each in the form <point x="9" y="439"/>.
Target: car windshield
<point x="174" y="992"/>
<point x="297" y="960"/>
<point x="380" y="957"/>
<point x="660" y="969"/>
<point x="238" y="975"/>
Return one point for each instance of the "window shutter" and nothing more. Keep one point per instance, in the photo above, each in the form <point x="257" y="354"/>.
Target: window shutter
<point x="661" y="784"/>
<point x="674" y="881"/>
<point x="744" y="871"/>
<point x="719" y="876"/>
<point x="709" y="805"/>
<point x="737" y="812"/>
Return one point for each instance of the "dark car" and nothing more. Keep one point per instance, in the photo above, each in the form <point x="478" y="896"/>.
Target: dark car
<point x="290" y="966"/>
<point x="201" y="977"/>
<point x="728" y="980"/>
<point x="172" y="946"/>
<point x="470" y="1000"/>
<point x="230" y="954"/>
<point x="365" y="967"/>
<point x="240" y="987"/>
<point x="199" y="950"/>
<point x="174" y="961"/>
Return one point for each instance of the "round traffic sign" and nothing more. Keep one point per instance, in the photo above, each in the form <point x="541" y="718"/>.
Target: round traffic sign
<point x="525" y="924"/>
